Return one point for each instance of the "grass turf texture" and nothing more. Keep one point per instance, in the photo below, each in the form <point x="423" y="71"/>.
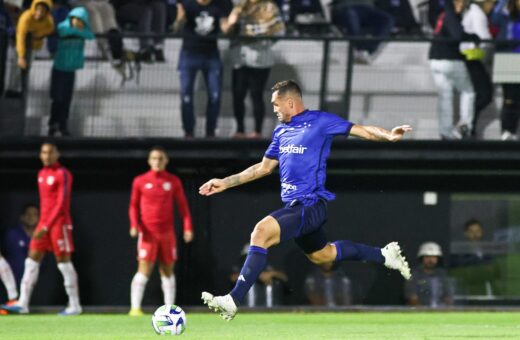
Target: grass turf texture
<point x="424" y="325"/>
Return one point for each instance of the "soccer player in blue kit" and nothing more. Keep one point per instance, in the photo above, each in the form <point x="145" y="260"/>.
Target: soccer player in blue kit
<point x="300" y="147"/>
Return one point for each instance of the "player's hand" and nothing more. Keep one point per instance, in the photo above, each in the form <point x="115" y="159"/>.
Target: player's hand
<point x="398" y="132"/>
<point x="188" y="236"/>
<point x="134" y="232"/>
<point x="39" y="234"/>
<point x="213" y="186"/>
<point x="22" y="63"/>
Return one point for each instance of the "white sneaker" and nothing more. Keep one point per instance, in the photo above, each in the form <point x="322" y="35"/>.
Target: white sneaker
<point x="71" y="311"/>
<point x="223" y="304"/>
<point x="394" y="260"/>
<point x="506" y="135"/>
<point x="362" y="57"/>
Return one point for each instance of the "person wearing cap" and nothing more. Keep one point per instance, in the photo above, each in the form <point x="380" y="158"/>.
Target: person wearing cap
<point x="430" y="285"/>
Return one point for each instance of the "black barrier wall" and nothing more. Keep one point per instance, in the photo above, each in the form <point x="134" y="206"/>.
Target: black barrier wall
<point x="380" y="198"/>
<point x="105" y="254"/>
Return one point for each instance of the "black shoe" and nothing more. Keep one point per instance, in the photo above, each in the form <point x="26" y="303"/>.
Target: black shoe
<point x="13" y="94"/>
<point x="145" y="55"/>
<point x="159" y="56"/>
<point x="65" y="133"/>
<point x="53" y="130"/>
<point x="465" y="132"/>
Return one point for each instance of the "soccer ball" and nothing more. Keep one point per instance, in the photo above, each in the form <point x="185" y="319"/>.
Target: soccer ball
<point x="169" y="320"/>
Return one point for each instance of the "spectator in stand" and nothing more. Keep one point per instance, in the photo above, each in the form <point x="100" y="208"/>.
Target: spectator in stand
<point x="450" y="72"/>
<point x="474" y="232"/>
<point x="507" y="16"/>
<point x="150" y="18"/>
<point x="60" y="10"/>
<point x="69" y="57"/>
<point x="430" y="285"/>
<point x="202" y="21"/>
<point x="103" y="21"/>
<point x="361" y="18"/>
<point x="327" y="285"/>
<point x="474" y="21"/>
<point x="33" y="26"/>
<point x="402" y="13"/>
<point x="474" y="268"/>
<point x="16" y="241"/>
<point x="252" y="59"/>
<point x="435" y="8"/>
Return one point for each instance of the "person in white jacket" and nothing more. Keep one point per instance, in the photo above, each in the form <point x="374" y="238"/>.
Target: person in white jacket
<point x="475" y="21"/>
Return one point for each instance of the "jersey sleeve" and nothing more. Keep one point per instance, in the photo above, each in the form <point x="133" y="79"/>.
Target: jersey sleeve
<point x="336" y="126"/>
<point x="274" y="147"/>
<point x="182" y="205"/>
<point x="133" y="210"/>
<point x="64" y="182"/>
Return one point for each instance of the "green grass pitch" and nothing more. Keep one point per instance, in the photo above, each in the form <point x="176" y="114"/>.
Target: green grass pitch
<point x="341" y="325"/>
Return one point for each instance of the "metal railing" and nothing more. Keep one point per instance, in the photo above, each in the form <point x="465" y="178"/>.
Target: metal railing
<point x="336" y="68"/>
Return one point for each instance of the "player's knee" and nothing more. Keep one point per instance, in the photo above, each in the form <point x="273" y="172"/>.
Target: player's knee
<point x="320" y="257"/>
<point x="316" y="258"/>
<point x="260" y="234"/>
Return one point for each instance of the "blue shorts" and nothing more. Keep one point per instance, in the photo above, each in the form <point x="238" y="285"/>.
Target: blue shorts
<point x="304" y="225"/>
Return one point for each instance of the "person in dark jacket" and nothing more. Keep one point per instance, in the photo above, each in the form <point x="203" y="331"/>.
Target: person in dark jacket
<point x="150" y="18"/>
<point x="450" y="72"/>
<point x="507" y="16"/>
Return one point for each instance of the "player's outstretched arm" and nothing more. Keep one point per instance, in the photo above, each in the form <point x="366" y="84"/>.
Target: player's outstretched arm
<point x="259" y="170"/>
<point x="379" y="134"/>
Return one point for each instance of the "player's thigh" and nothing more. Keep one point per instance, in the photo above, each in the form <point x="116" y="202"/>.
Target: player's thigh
<point x="312" y="243"/>
<point x="147" y="247"/>
<point x="61" y="240"/>
<point x="167" y="249"/>
<point x="289" y="220"/>
<point x="37" y="248"/>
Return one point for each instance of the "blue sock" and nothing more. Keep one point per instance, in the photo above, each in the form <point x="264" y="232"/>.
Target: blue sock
<point x="255" y="263"/>
<point x="348" y="250"/>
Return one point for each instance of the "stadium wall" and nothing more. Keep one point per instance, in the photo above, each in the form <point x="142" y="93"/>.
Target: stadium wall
<point x="380" y="189"/>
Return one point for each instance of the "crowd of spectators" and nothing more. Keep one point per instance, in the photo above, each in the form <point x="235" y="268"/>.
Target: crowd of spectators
<point x="457" y="66"/>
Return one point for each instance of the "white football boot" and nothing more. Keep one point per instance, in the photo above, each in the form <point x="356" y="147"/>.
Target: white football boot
<point x="223" y="304"/>
<point x="394" y="260"/>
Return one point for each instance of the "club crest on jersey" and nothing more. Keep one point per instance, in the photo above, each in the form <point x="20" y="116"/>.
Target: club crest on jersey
<point x="291" y="148"/>
<point x="167" y="186"/>
<point x="148" y="185"/>
<point x="50" y="180"/>
<point x="40" y="179"/>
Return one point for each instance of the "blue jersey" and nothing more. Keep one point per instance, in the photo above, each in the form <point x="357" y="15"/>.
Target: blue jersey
<point x="302" y="147"/>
